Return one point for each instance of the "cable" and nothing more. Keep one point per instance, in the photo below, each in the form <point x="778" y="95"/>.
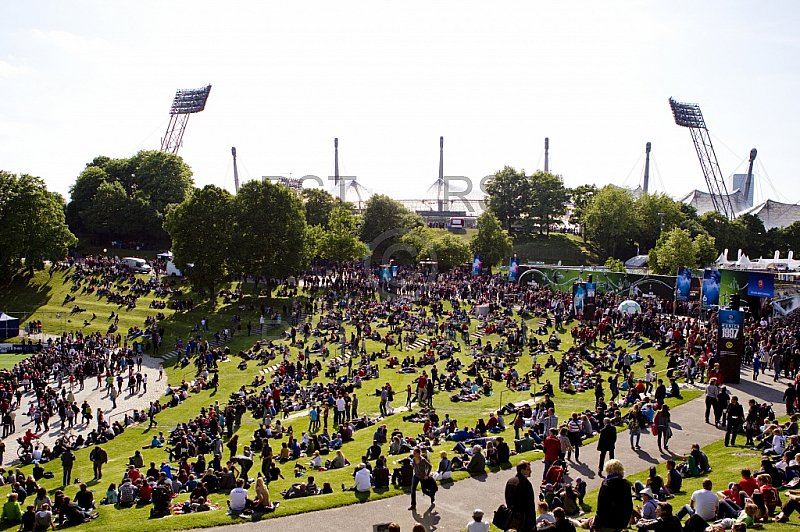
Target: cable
<point x="151" y="134"/>
<point x="633" y="168"/>
<point x="763" y="169"/>
<point x="658" y="172"/>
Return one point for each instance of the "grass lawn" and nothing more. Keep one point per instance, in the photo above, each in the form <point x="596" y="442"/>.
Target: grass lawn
<point x="231" y="379"/>
<point x="569" y="249"/>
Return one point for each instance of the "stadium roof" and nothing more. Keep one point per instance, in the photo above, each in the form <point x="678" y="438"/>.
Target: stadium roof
<point x="701" y="201"/>
<point x="774" y="213"/>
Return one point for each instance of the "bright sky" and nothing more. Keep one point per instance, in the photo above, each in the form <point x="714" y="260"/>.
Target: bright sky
<point x="87" y="78"/>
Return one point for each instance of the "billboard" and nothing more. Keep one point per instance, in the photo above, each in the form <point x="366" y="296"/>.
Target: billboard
<point x="386" y="274"/>
<point x="732" y="283"/>
<point x="730" y="343"/>
<point x="711" y="282"/>
<point x="683" y="284"/>
<point x="477" y="265"/>
<point x="760" y="284"/>
<point x="513" y="269"/>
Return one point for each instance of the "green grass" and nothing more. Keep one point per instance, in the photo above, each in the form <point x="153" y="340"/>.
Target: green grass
<point x="569" y="249"/>
<point x="231" y="379"/>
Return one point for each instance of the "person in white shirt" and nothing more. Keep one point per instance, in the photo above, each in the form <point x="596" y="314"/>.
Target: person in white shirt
<point x="363" y="480"/>
<point x="238" y="501"/>
<point x="545" y="516"/>
<point x="704" y="503"/>
<point x="477" y="524"/>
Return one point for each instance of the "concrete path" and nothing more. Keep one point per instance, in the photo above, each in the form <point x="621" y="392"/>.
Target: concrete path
<point x="455" y="502"/>
<point x="97" y="398"/>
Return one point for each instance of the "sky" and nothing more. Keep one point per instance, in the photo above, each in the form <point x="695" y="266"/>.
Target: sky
<point x="86" y="78"/>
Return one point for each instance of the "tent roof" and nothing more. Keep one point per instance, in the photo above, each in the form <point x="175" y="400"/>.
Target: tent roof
<point x="774" y="213"/>
<point x="639" y="261"/>
<point x="6" y="317"/>
<point x="701" y="201"/>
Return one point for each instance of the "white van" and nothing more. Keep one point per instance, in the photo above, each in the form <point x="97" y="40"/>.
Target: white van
<point x="136" y="264"/>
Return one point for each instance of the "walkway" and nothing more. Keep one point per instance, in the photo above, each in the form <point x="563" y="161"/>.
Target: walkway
<point x="456" y="501"/>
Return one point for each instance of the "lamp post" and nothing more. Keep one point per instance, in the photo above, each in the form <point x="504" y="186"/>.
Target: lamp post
<point x="661" y="215"/>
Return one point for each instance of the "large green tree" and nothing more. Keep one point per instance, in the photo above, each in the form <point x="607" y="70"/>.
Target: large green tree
<point x="491" y="242"/>
<point x="675" y="249"/>
<point x="580" y="197"/>
<point x="143" y="187"/>
<point x="201" y="232"/>
<point x="507" y="195"/>
<point x="610" y="219"/>
<point x="438" y="245"/>
<point x="271" y="237"/>
<point x="653" y="210"/>
<point x="545" y="201"/>
<point x="318" y="205"/>
<point x="383" y="223"/>
<point x="727" y="234"/>
<point x="339" y="241"/>
<point x="32" y="224"/>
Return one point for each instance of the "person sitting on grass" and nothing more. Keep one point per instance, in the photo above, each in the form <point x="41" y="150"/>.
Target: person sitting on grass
<point x="238" y="501"/>
<point x="363" y="480"/>
<point x="12" y="512"/>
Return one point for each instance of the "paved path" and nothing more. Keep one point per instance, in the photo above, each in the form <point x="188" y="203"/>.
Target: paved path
<point x="97" y="398"/>
<point x="455" y="501"/>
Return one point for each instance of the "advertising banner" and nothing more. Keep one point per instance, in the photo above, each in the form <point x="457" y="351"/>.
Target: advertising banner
<point x="579" y="298"/>
<point x="683" y="284"/>
<point x="732" y="283"/>
<point x="394" y="271"/>
<point x="761" y="284"/>
<point x="513" y="269"/>
<point x="730" y="344"/>
<point x="386" y="274"/>
<point x="477" y="265"/>
<point x="711" y="281"/>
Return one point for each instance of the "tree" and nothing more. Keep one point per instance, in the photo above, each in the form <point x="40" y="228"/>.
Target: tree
<point x="706" y="249"/>
<point x="384" y="222"/>
<point x="439" y="245"/>
<point x="318" y="205"/>
<point x="648" y="220"/>
<point x="271" y="236"/>
<point x="614" y="265"/>
<point x="450" y="250"/>
<point x="32" y="224"/>
<point x="339" y="242"/>
<point x="580" y="196"/>
<point x="144" y="187"/>
<point x="754" y="235"/>
<point x="675" y="249"/>
<point x="609" y="219"/>
<point x="491" y="242"/>
<point x="726" y="234"/>
<point x="545" y="200"/>
<point x="507" y="195"/>
<point x="200" y="228"/>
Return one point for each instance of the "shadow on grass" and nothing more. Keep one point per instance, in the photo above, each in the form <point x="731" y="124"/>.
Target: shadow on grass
<point x="21" y="296"/>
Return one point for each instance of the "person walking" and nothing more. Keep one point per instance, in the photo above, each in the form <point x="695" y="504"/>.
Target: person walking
<point x="606" y="442"/>
<point x="67" y="461"/>
<point x="520" y="499"/>
<point x="664" y="431"/>
<point x="422" y="470"/>
<point x="153" y="412"/>
<point x="735" y="415"/>
<point x="98" y="456"/>
<point x="712" y="391"/>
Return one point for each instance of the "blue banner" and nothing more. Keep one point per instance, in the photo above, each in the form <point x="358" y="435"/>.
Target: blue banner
<point x="386" y="274"/>
<point x="761" y="284"/>
<point x="513" y="269"/>
<point x="394" y="271"/>
<point x="683" y="284"/>
<point x="477" y="265"/>
<point x="711" y="284"/>
<point x="579" y="298"/>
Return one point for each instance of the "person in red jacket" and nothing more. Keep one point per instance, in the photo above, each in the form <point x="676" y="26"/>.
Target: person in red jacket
<point x="552" y="448"/>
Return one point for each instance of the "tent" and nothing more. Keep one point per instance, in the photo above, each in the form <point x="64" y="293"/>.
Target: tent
<point x="9" y="326"/>
<point x="165" y="255"/>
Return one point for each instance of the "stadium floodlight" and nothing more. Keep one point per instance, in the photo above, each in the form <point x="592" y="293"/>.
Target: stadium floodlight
<point x="687" y="114"/>
<point x="186" y="102"/>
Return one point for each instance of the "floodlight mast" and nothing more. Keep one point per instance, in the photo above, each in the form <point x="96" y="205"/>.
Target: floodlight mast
<point x="186" y="102"/>
<point x="689" y="115"/>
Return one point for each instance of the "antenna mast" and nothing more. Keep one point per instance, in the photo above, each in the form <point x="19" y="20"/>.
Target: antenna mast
<point x="546" y="154"/>
<point x="748" y="183"/>
<point x="646" y="183"/>
<point x="235" y="171"/>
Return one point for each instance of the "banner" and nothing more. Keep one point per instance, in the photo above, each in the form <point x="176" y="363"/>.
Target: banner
<point x="477" y="265"/>
<point x="683" y="284"/>
<point x="579" y="298"/>
<point x="711" y="282"/>
<point x="730" y="344"/>
<point x="513" y="269"/>
<point x="386" y="274"/>
<point x="732" y="283"/>
<point x="761" y="284"/>
<point x="394" y="271"/>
